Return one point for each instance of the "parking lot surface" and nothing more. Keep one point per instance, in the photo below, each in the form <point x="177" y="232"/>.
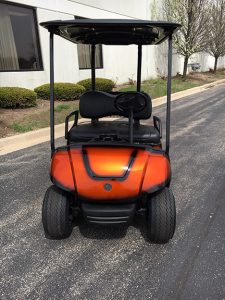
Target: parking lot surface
<point x="119" y="263"/>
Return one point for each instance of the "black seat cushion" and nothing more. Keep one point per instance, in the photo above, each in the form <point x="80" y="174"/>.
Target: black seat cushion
<point x="86" y="132"/>
<point x="97" y="104"/>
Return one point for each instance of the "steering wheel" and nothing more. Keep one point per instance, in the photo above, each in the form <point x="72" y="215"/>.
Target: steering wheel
<point x="134" y="101"/>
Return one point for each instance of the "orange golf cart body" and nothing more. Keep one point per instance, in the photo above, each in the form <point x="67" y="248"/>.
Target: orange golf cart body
<point x="111" y="169"/>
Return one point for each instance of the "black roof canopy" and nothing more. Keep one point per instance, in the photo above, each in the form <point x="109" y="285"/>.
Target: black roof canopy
<point x="112" y="31"/>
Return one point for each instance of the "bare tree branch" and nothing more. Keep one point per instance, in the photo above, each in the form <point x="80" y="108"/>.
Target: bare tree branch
<point x="193" y="16"/>
<point x="216" y="30"/>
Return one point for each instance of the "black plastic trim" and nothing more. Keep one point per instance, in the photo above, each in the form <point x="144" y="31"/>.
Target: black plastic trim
<point x="59" y="185"/>
<point x="109" y="201"/>
<point x="115" y="213"/>
<point x="119" y="145"/>
<point x="159" y="187"/>
<point x="92" y="174"/>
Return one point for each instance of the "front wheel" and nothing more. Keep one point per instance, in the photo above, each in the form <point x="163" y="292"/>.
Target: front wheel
<point x="161" y="216"/>
<point x="57" y="214"/>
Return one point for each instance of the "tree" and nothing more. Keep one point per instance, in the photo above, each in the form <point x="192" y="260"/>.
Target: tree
<point x="216" y="30"/>
<point x="192" y="15"/>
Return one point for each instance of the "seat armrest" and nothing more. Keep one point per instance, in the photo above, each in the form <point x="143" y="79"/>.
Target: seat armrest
<point x="76" y="115"/>
<point x="158" y="125"/>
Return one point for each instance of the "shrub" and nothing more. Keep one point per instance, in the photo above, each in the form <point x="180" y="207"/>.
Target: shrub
<point x="16" y="97"/>
<point x="63" y="91"/>
<point x="101" y="84"/>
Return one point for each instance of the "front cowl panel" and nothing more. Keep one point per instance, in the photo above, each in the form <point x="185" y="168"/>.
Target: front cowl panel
<point x="114" y="176"/>
<point x="109" y="173"/>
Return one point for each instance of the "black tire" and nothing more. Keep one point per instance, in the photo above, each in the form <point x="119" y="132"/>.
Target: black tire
<point x="57" y="214"/>
<point x="161" y="217"/>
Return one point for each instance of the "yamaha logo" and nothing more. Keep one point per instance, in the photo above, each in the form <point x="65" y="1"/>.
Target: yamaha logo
<point x="108" y="187"/>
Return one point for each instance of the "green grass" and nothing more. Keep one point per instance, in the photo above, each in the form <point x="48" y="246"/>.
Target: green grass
<point x="157" y="87"/>
<point x="20" y="128"/>
<point x="61" y="107"/>
<point x="41" y="120"/>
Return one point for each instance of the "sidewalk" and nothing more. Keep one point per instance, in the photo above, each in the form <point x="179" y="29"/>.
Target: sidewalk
<point x="28" y="139"/>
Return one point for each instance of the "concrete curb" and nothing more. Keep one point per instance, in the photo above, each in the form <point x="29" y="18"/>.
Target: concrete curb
<point x="28" y="139"/>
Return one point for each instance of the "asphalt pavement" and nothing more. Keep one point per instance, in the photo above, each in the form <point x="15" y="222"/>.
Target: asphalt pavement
<point x="119" y="263"/>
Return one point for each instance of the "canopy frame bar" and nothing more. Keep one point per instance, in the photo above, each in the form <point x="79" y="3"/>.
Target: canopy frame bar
<point x="169" y="81"/>
<point x="52" y="96"/>
<point x="139" y="68"/>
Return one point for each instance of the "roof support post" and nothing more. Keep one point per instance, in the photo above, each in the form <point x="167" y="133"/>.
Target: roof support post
<point x="52" y="117"/>
<point x="168" y="107"/>
<point x="139" y="68"/>
<point x="93" y="67"/>
<point x="93" y="47"/>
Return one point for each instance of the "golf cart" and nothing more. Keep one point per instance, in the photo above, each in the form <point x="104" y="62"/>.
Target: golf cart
<point x="110" y="170"/>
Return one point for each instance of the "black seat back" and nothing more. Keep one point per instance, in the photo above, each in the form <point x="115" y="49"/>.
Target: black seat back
<point x="96" y="104"/>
